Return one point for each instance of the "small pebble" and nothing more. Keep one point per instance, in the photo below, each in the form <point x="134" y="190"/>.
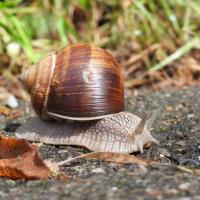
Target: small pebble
<point x="153" y="192"/>
<point x="164" y="152"/>
<point x="79" y="169"/>
<point x="98" y="171"/>
<point x="167" y="94"/>
<point x="181" y="143"/>
<point x="34" y="183"/>
<point x="114" y="188"/>
<point x="66" y="192"/>
<point x="63" y="151"/>
<point x="11" y="183"/>
<point x="3" y="194"/>
<point x="53" y="189"/>
<point x="11" y="101"/>
<point x="190" y="116"/>
<point x="184" y="186"/>
<point x="185" y="198"/>
<point x="142" y="169"/>
<point x="171" y="191"/>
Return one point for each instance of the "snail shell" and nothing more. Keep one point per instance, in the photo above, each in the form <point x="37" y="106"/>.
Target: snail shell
<point x="79" y="82"/>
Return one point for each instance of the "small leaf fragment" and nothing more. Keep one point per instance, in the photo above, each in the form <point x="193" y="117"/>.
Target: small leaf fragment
<point x="111" y="157"/>
<point x="20" y="160"/>
<point x="53" y="167"/>
<point x="4" y="110"/>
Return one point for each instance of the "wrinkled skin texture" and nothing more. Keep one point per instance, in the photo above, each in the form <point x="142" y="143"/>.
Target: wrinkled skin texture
<point x="122" y="133"/>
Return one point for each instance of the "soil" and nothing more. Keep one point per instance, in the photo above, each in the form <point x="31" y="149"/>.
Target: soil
<point x="176" y="177"/>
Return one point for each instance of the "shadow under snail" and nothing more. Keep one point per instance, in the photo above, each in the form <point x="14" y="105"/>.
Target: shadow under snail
<point x="78" y="94"/>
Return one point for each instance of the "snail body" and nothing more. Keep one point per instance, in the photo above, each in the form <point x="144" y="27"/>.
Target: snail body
<point x="83" y="83"/>
<point x="122" y="133"/>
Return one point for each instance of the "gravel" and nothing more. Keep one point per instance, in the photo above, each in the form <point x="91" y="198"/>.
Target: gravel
<point x="178" y="131"/>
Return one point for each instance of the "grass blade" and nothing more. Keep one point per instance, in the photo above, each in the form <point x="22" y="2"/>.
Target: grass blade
<point x="176" y="55"/>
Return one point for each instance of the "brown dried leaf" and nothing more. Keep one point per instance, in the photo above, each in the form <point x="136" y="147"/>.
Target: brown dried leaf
<point x="169" y="108"/>
<point x="191" y="63"/>
<point x="134" y="82"/>
<point x="111" y="157"/>
<point x="4" y="110"/>
<point x="20" y="160"/>
<point x="16" y="113"/>
<point x="135" y="58"/>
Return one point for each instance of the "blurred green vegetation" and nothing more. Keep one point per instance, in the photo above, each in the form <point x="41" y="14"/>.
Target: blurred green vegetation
<point x="42" y="25"/>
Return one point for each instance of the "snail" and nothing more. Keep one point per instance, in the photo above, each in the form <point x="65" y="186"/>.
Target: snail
<point x="78" y="94"/>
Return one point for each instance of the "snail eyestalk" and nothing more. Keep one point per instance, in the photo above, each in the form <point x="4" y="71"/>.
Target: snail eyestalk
<point x="142" y="136"/>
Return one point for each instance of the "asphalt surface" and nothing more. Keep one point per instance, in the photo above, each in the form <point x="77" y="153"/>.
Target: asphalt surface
<point x="176" y="177"/>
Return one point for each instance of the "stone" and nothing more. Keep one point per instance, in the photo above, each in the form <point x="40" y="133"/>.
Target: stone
<point x="184" y="186"/>
<point x="98" y="171"/>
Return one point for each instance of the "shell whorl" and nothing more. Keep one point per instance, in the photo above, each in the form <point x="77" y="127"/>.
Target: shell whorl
<point x="28" y="77"/>
<point x="37" y="80"/>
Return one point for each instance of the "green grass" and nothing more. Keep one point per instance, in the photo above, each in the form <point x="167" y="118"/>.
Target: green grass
<point x="44" y="25"/>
